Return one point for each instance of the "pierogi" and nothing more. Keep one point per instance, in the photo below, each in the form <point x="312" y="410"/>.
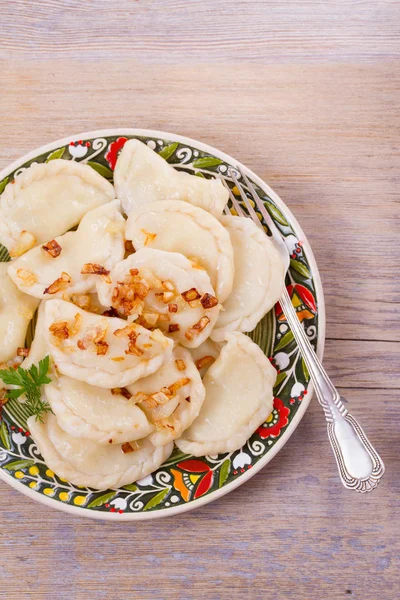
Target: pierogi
<point x="46" y="200"/>
<point x="16" y="311"/>
<point x="142" y="176"/>
<point x="172" y="397"/>
<point x="177" y="226"/>
<point x="164" y="290"/>
<point x="71" y="264"/>
<point x="258" y="281"/>
<point x="86" y="463"/>
<point x="238" y="399"/>
<point x="103" y="351"/>
<point x="102" y="415"/>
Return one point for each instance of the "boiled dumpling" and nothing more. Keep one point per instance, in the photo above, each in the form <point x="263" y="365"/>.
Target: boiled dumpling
<point x="64" y="267"/>
<point x="172" y="397"/>
<point x="238" y="399"/>
<point x="142" y="176"/>
<point x="258" y="280"/>
<point x="16" y="311"/>
<point x="94" y="413"/>
<point x="103" y="351"/>
<point x="165" y="290"/>
<point x="46" y="200"/>
<point x="205" y="354"/>
<point x="177" y="226"/>
<point x="83" y="462"/>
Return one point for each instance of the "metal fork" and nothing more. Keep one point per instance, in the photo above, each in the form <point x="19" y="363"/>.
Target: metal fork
<point x="360" y="466"/>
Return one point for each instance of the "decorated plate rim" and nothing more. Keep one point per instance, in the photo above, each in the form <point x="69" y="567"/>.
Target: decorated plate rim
<point x="216" y="494"/>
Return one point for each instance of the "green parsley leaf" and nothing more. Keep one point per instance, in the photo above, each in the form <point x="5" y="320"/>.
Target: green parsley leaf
<point x="29" y="382"/>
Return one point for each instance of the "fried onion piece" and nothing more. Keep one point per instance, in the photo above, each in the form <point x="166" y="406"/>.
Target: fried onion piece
<point x="191" y="295"/>
<point x="95" y="337"/>
<point x="59" y="284"/>
<point x="180" y="364"/>
<point x="52" y="248"/>
<point x="60" y="330"/>
<point x="197" y="328"/>
<point x="208" y="301"/>
<point x="205" y="361"/>
<point x="129" y="447"/>
<point x="94" y="269"/>
<point x="130" y="332"/>
<point x="28" y="277"/>
<point x="26" y="242"/>
<point x="121" y="392"/>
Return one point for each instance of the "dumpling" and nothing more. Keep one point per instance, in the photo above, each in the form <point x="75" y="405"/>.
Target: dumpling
<point x="97" y="414"/>
<point x="16" y="311"/>
<point x="238" y="399"/>
<point x="46" y="200"/>
<point x="83" y="462"/>
<point x="142" y="176"/>
<point x="103" y="351"/>
<point x="258" y="281"/>
<point x="205" y="354"/>
<point x="172" y="397"/>
<point x="165" y="290"/>
<point x="55" y="269"/>
<point x="177" y="226"/>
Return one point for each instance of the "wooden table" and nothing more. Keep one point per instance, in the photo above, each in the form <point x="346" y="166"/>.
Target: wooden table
<point x="306" y="93"/>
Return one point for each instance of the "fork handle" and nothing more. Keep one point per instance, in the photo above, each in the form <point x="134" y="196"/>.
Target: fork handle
<point x="360" y="466"/>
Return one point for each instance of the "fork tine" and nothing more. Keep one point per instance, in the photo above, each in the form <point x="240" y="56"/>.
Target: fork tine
<point x="259" y="202"/>
<point x="246" y="200"/>
<point x="235" y="203"/>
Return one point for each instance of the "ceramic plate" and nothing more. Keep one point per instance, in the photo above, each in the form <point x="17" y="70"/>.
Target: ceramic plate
<point x="183" y="482"/>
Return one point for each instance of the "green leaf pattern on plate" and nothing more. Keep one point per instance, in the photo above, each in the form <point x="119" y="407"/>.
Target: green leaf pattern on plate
<point x="276" y="214"/>
<point x="224" y="472"/>
<point x="4" y="436"/>
<point x="157" y="499"/>
<point x="206" y="162"/>
<point x="103" y="499"/>
<point x="3" y="184"/>
<point x="56" y="154"/>
<point x="4" y="256"/>
<point x="169" y="150"/>
<point x="18" y="464"/>
<point x="284" y="341"/>
<point x="300" y="268"/>
<point x="101" y="169"/>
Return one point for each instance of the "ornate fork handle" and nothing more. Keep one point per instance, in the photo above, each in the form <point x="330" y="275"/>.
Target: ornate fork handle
<point x="360" y="466"/>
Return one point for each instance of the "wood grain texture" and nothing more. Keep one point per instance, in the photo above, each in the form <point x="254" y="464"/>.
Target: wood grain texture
<point x="307" y="95"/>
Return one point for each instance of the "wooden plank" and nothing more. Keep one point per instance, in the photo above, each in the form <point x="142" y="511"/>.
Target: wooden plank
<point x="292" y="532"/>
<point x="178" y="32"/>
<point x="367" y="364"/>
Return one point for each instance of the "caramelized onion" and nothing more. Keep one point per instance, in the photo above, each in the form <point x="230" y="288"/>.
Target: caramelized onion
<point x="191" y="295"/>
<point x="52" y="248"/>
<point x="59" y="284"/>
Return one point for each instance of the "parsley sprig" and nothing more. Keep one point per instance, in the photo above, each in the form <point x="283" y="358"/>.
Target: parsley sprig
<point x="28" y="382"/>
